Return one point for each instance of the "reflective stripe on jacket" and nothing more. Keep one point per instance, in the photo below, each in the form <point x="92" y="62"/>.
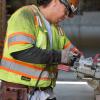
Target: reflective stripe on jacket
<point x="26" y="29"/>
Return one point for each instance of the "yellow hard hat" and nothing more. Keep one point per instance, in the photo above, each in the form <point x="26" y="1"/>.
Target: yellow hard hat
<point x="72" y="6"/>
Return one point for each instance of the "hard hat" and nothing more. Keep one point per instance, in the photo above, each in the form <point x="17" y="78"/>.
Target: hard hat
<point x="71" y="5"/>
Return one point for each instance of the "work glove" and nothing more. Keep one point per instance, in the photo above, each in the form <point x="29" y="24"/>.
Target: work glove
<point x="69" y="56"/>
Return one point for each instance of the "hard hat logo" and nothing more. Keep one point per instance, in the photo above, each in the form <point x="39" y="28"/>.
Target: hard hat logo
<point x="73" y="2"/>
<point x="73" y="8"/>
<point x="71" y="5"/>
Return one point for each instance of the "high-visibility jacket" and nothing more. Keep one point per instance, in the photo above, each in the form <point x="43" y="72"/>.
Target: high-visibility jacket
<point x="25" y="28"/>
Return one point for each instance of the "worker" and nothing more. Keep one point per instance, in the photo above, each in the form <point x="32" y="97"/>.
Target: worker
<point x="34" y="45"/>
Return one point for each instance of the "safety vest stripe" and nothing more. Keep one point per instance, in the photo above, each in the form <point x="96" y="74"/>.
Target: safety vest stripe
<point x="25" y="65"/>
<point x="61" y="32"/>
<point x="22" y="63"/>
<point x="19" y="38"/>
<point x="22" y="33"/>
<point x="14" y="66"/>
<point x="22" y="74"/>
<point x="67" y="45"/>
<point x="23" y="69"/>
<point x="19" y="42"/>
<point x="36" y="21"/>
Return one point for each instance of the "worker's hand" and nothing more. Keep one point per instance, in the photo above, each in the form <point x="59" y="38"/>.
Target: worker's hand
<point x="69" y="56"/>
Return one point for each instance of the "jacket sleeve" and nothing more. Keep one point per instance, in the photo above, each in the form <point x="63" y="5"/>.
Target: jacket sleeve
<point x="38" y="56"/>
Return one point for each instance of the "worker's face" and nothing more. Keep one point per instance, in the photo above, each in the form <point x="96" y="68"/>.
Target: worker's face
<point x="59" y="12"/>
